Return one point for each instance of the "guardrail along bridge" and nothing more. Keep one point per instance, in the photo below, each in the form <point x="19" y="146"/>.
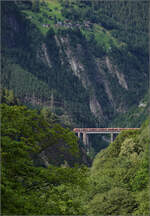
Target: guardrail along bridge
<point x="111" y="131"/>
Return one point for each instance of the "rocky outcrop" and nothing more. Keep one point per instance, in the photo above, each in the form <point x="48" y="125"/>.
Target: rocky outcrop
<point x="96" y="108"/>
<point x="79" y="71"/>
<point x="44" y="49"/>
<point x="114" y="71"/>
<point x="100" y="63"/>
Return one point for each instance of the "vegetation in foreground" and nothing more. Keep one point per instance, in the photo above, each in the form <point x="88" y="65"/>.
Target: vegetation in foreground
<point x="116" y="184"/>
<point x="119" y="176"/>
<point x="28" y="189"/>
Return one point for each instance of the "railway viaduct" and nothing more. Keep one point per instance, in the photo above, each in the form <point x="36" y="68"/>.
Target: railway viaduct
<point x="111" y="131"/>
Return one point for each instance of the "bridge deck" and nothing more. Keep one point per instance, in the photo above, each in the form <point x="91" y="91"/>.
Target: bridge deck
<point x="101" y="130"/>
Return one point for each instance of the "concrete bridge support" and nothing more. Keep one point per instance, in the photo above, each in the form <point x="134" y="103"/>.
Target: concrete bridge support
<point x="84" y="138"/>
<point x="79" y="135"/>
<point x="86" y="141"/>
<point x="111" y="137"/>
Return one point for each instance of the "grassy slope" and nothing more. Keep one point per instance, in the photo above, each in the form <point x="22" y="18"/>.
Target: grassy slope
<point x="49" y="12"/>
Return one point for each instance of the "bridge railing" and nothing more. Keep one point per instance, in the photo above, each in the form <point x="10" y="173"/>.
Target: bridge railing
<point x="81" y="130"/>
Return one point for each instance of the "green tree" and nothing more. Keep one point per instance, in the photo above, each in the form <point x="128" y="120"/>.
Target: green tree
<point x="36" y="5"/>
<point x="26" y="188"/>
<point x="116" y="201"/>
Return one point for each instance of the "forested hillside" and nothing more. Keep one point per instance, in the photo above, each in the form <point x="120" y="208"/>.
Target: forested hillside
<point x="119" y="176"/>
<point x="116" y="184"/>
<point x="87" y="61"/>
<point x="66" y="64"/>
<point x="28" y="188"/>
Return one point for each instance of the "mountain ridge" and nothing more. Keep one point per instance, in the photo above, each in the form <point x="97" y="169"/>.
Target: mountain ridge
<point x="84" y="71"/>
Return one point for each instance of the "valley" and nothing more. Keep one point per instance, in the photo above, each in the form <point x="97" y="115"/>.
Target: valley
<point x="75" y="67"/>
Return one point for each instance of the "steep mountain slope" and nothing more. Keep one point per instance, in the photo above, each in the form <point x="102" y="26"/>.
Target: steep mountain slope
<point x="135" y="115"/>
<point x="78" y="58"/>
<point x="82" y="64"/>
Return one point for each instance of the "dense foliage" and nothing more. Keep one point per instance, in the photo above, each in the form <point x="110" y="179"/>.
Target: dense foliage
<point x="116" y="184"/>
<point x="126" y="21"/>
<point x="29" y="189"/>
<point x="81" y="64"/>
<point x="120" y="176"/>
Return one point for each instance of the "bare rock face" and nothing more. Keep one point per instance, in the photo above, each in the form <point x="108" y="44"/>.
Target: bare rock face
<point x="113" y="70"/>
<point x="95" y="107"/>
<point x="79" y="71"/>
<point x="97" y="82"/>
<point x="46" y="57"/>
